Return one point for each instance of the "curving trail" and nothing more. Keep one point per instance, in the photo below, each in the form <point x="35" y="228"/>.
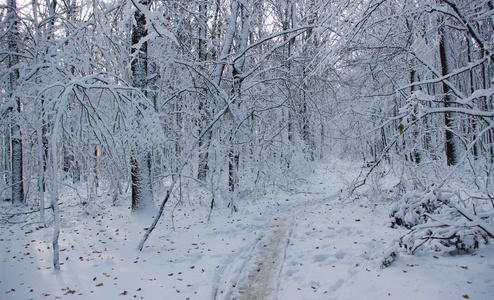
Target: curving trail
<point x="257" y="271"/>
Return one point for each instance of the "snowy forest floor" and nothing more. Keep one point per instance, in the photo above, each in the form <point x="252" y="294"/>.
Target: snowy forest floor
<point x="311" y="242"/>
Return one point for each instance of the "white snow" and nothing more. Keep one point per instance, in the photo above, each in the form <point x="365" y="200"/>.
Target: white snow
<point x="313" y="242"/>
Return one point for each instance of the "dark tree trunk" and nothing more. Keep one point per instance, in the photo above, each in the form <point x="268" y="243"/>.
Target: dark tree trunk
<point x="476" y="147"/>
<point x="16" y="136"/>
<point x="142" y="192"/>
<point x="233" y="155"/>
<point x="415" y="155"/>
<point x="447" y="100"/>
<point x="203" y="167"/>
<point x="287" y="53"/>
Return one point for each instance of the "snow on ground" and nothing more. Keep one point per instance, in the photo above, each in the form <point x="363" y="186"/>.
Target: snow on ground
<point x="312" y="242"/>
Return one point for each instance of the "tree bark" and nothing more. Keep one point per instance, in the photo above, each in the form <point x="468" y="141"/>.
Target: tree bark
<point x="415" y="155"/>
<point x="310" y="44"/>
<point x="288" y="50"/>
<point x="142" y="192"/>
<point x="203" y="167"/>
<point x="447" y="98"/>
<point x="238" y="69"/>
<point x="15" y="135"/>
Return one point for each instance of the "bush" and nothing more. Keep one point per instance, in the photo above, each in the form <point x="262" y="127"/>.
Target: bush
<point x="438" y="221"/>
<point x="414" y="206"/>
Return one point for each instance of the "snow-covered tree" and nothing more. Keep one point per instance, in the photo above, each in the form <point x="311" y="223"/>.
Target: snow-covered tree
<point x="14" y="104"/>
<point x="142" y="191"/>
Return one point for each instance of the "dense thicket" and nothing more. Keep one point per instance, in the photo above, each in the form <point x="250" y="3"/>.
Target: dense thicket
<point x="115" y="93"/>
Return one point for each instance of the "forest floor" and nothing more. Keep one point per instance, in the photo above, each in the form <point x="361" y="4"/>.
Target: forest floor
<point x="313" y="241"/>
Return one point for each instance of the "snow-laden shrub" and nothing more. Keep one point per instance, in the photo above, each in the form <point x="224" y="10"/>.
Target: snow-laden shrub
<point x="454" y="237"/>
<point x="438" y="220"/>
<point x="414" y="206"/>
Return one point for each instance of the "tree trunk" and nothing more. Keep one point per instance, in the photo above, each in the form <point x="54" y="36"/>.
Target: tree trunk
<point x="238" y="69"/>
<point x="142" y="192"/>
<point x="447" y="98"/>
<point x="474" y="122"/>
<point x="203" y="167"/>
<point x="309" y="45"/>
<point x="16" y="136"/>
<point x="7" y="155"/>
<point x="288" y="50"/>
<point x="415" y="155"/>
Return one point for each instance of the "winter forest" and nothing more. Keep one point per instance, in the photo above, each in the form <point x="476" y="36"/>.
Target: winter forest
<point x="247" y="149"/>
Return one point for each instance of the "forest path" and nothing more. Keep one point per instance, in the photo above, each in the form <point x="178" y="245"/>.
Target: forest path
<point x="263" y="276"/>
<point x="263" y="279"/>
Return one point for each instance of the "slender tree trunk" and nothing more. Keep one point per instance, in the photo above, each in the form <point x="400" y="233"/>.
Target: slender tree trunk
<point x="44" y="138"/>
<point x="306" y="132"/>
<point x="203" y="167"/>
<point x="238" y="68"/>
<point x="322" y="147"/>
<point x="474" y="122"/>
<point x="54" y="200"/>
<point x="60" y="109"/>
<point x="415" y="155"/>
<point x="41" y="172"/>
<point x="39" y="126"/>
<point x="310" y="45"/>
<point x="447" y="98"/>
<point x="287" y="24"/>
